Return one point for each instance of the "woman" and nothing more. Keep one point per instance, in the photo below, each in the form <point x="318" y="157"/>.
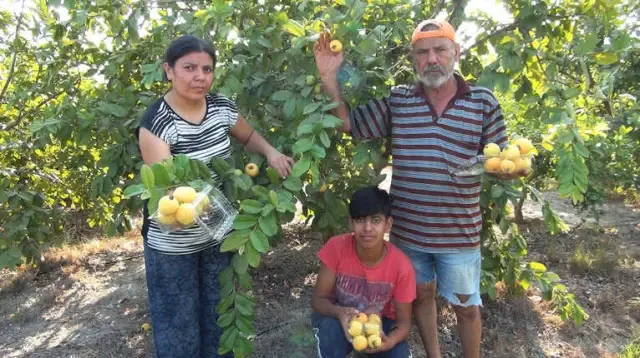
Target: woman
<point x="182" y="267"/>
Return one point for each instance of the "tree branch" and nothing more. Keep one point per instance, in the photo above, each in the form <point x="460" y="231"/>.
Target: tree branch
<point x="437" y="9"/>
<point x="15" y="55"/>
<point x="592" y="84"/>
<point x="486" y="37"/>
<point x="22" y="113"/>
<point x="455" y="19"/>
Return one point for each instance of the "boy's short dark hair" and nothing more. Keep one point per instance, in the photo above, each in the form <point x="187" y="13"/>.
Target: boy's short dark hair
<point x="370" y="201"/>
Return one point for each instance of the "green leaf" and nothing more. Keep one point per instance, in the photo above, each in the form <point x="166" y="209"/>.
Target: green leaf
<point x="588" y="43"/>
<point x="245" y="326"/>
<point x="160" y="174"/>
<point x="511" y="62"/>
<point x="113" y="109"/>
<point x="228" y="338"/>
<point x="225" y="277"/>
<point x="264" y="42"/>
<point x="225" y="303"/>
<point x="240" y="263"/>
<point x="324" y="138"/>
<point x="244" y="222"/>
<point x="155" y="195"/>
<point x="268" y="208"/>
<point x="273" y="176"/>
<point x="205" y="172"/>
<point x="260" y="191"/>
<point x="293" y="183"/>
<point x="497" y="191"/>
<point x="131" y="190"/>
<point x="226" y="319"/>
<point x="311" y="107"/>
<point x="243" y="182"/>
<point x="330" y="106"/>
<point x="331" y="121"/>
<point x="235" y="240"/>
<point x="259" y="241"/>
<point x="295" y="28"/>
<point x="220" y="166"/>
<point x="252" y="255"/>
<point x="367" y="47"/>
<point x="551" y="276"/>
<point x="305" y="127"/>
<point x="560" y="288"/>
<point x="537" y="267"/>
<point x="302" y="145"/>
<point x="318" y="152"/>
<point x="233" y="83"/>
<point x="504" y="225"/>
<point x="301" y="166"/>
<point x="147" y="177"/>
<point x="244" y="305"/>
<point x="244" y="280"/>
<point x="607" y="58"/>
<point x="251" y="206"/>
<point x="581" y="149"/>
<point x="273" y="197"/>
<point x="10" y="257"/>
<point x="243" y="347"/>
<point x="284" y="195"/>
<point x="268" y="224"/>
<point x="281" y="95"/>
<point x="287" y="206"/>
<point x="289" y="108"/>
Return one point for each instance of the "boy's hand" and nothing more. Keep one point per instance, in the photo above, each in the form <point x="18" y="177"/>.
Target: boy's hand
<point x="387" y="344"/>
<point x="345" y="314"/>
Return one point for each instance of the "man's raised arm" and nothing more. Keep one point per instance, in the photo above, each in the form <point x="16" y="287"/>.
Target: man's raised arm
<point x="328" y="63"/>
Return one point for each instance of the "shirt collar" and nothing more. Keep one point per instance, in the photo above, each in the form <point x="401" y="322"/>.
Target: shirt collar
<point x="462" y="87"/>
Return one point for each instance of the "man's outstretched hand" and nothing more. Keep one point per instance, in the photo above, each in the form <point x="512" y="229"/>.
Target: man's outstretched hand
<point x="327" y="61"/>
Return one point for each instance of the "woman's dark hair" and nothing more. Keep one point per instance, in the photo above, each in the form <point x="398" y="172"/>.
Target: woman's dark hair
<point x="369" y="201"/>
<point x="185" y="45"/>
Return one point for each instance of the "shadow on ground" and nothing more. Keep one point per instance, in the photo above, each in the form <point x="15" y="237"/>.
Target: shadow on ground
<point x="90" y="310"/>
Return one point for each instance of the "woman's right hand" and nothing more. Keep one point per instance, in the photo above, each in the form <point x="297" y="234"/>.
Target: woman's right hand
<point x="327" y="61"/>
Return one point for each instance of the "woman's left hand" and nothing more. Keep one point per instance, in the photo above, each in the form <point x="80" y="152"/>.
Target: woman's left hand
<point x="281" y="163"/>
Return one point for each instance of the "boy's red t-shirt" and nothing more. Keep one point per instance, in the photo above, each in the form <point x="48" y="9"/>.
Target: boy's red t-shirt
<point x="370" y="289"/>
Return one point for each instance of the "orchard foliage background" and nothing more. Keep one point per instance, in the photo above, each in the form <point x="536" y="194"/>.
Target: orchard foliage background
<point x="75" y="76"/>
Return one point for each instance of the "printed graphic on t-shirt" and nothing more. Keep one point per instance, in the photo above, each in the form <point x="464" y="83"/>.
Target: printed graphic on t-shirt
<point x="355" y="291"/>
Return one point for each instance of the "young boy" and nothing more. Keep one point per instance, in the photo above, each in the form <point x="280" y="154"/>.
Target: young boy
<point x="361" y="272"/>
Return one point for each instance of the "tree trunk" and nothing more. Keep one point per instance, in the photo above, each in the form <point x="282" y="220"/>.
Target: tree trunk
<point x="518" y="208"/>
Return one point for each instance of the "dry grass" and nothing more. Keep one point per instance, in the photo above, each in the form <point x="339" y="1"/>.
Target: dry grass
<point x="600" y="257"/>
<point x="70" y="259"/>
<point x="84" y="300"/>
<point x="632" y="350"/>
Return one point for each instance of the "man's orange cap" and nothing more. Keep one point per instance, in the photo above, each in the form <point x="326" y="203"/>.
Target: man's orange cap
<point x="444" y="30"/>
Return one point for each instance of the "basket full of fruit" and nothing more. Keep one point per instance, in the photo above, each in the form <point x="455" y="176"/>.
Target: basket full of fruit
<point x="515" y="158"/>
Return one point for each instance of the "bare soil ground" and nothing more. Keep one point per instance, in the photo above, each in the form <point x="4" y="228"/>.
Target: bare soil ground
<point x="90" y="300"/>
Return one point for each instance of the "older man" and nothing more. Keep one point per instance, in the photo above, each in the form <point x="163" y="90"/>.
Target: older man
<point x="435" y="125"/>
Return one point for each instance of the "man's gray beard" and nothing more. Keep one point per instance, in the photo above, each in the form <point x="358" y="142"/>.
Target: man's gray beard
<point x="437" y="82"/>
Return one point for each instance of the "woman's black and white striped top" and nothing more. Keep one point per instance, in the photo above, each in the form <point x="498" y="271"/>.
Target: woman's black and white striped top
<point x="202" y="141"/>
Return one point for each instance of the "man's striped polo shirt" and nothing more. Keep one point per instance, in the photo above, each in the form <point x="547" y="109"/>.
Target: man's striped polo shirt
<point x="433" y="210"/>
